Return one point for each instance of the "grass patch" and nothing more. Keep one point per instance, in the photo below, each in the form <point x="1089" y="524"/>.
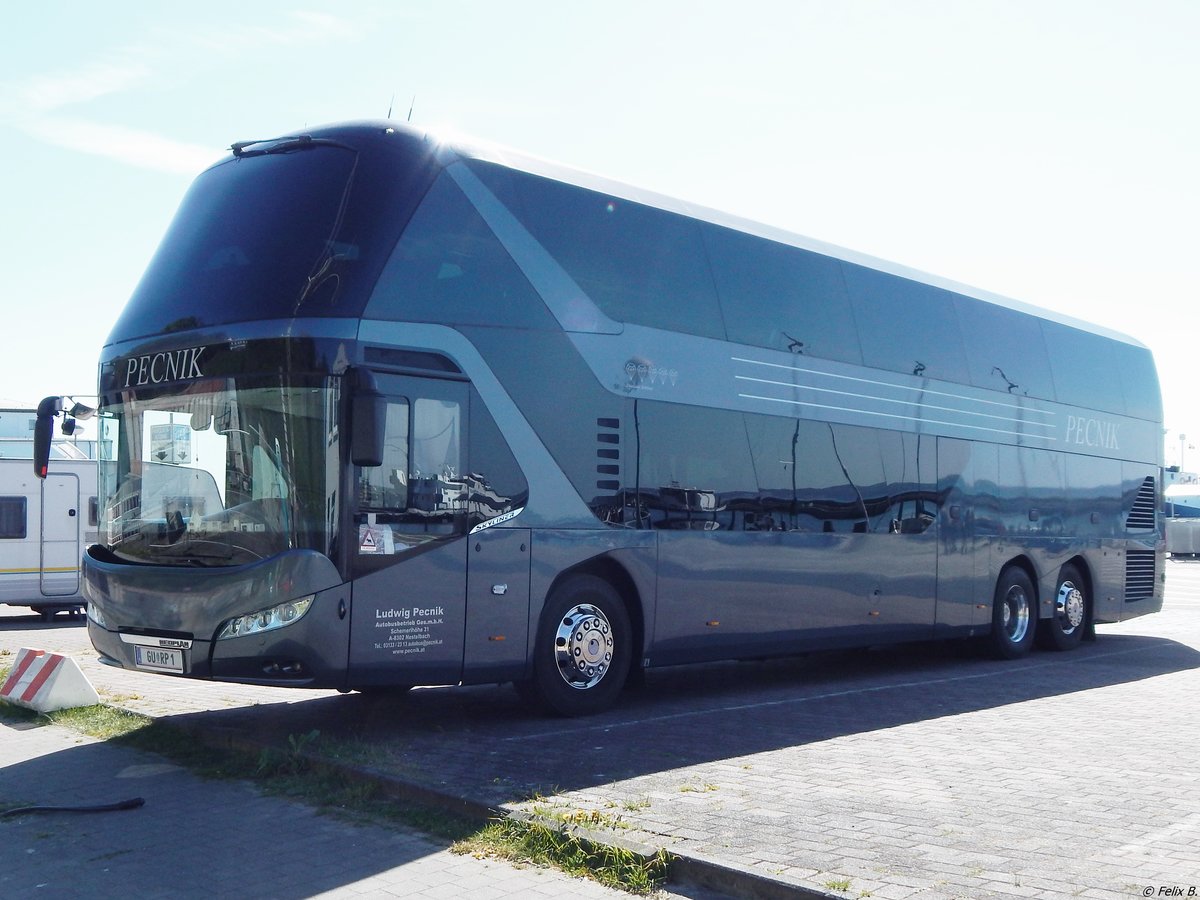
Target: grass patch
<point x="630" y="805"/>
<point x="536" y="843"/>
<point x="359" y="752"/>
<point x="592" y="819"/>
<point x="100" y="721"/>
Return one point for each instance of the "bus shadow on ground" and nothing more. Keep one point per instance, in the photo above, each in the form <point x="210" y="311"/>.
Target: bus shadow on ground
<point x="32" y="621"/>
<point x="487" y="746"/>
<point x="170" y="845"/>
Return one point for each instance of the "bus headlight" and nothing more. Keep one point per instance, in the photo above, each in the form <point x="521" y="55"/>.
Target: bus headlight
<point x="266" y="619"/>
<point x="96" y="616"/>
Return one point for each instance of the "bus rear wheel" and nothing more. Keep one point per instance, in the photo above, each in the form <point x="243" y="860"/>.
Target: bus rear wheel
<point x="583" y="649"/>
<point x="1014" y="615"/>
<point x="1065" y="627"/>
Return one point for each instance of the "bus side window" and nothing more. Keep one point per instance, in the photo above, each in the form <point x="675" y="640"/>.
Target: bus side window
<point x="437" y="491"/>
<point x="436" y="445"/>
<point x="385" y="487"/>
<point x="496" y="483"/>
<point x="421" y="487"/>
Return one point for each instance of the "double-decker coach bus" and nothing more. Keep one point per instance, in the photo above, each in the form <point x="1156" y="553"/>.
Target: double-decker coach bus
<point x="386" y="411"/>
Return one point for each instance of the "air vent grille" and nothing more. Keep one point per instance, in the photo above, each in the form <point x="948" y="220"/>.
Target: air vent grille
<point x="608" y="436"/>
<point x="1139" y="575"/>
<point x="1141" y="516"/>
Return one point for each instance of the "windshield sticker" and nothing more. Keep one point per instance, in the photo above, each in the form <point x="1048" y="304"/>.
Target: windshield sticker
<point x="376" y="540"/>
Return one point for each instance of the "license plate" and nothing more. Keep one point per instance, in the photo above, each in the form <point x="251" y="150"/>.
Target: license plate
<point x="158" y="659"/>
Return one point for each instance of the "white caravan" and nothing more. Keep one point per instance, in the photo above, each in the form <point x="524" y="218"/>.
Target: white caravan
<point x="44" y="524"/>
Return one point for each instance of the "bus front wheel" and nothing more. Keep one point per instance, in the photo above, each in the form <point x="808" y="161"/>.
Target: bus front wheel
<point x="1065" y="627"/>
<point x="1014" y="614"/>
<point x="583" y="649"/>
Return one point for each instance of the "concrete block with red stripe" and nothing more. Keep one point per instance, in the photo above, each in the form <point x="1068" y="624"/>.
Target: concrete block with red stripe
<point x="46" y="681"/>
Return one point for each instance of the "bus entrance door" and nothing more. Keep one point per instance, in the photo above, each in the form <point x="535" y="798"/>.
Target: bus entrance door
<point x="409" y="565"/>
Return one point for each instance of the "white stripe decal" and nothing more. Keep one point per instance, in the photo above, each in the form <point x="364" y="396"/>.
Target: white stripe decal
<point x="965" y="412"/>
<point x="924" y="421"/>
<point x="1002" y="414"/>
<point x="888" y="384"/>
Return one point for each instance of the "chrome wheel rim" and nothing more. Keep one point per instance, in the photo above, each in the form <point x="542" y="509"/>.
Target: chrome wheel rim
<point x="1069" y="606"/>
<point x="1014" y="617"/>
<point x="583" y="646"/>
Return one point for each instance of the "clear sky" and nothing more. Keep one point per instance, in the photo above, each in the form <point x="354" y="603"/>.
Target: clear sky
<point x="1046" y="150"/>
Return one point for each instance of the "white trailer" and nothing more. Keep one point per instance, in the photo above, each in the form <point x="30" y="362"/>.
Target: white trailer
<point x="44" y="524"/>
<point x="1183" y="519"/>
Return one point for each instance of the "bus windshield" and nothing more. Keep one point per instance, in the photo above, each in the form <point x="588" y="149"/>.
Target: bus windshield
<point x="225" y="472"/>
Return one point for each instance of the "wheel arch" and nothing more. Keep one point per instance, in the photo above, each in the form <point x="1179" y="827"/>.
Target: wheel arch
<point x="1025" y="563"/>
<point x="1088" y="577"/>
<point x="1014" y="613"/>
<point x="614" y="572"/>
<point x="1081" y="565"/>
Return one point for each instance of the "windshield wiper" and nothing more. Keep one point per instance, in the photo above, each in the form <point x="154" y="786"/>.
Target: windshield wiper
<point x="283" y="145"/>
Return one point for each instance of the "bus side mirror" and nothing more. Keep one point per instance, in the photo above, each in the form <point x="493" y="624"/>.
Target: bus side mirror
<point x="368" y="420"/>
<point x="43" y="431"/>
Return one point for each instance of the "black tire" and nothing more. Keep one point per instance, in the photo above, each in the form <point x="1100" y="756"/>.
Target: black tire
<point x="1014" y="615"/>
<point x="584" y="648"/>
<point x="1065" y="628"/>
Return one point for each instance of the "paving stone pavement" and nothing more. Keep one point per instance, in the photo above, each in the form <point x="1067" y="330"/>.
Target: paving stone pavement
<point x="201" y="838"/>
<point x="910" y="773"/>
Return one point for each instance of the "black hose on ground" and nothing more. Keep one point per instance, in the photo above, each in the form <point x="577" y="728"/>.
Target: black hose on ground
<point x="105" y="807"/>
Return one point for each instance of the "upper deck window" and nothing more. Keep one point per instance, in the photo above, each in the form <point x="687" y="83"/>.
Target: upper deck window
<point x="906" y="326"/>
<point x="782" y="297"/>
<point x="637" y="263"/>
<point x="449" y="267"/>
<point x="1084" y="366"/>
<point x="1005" y="349"/>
